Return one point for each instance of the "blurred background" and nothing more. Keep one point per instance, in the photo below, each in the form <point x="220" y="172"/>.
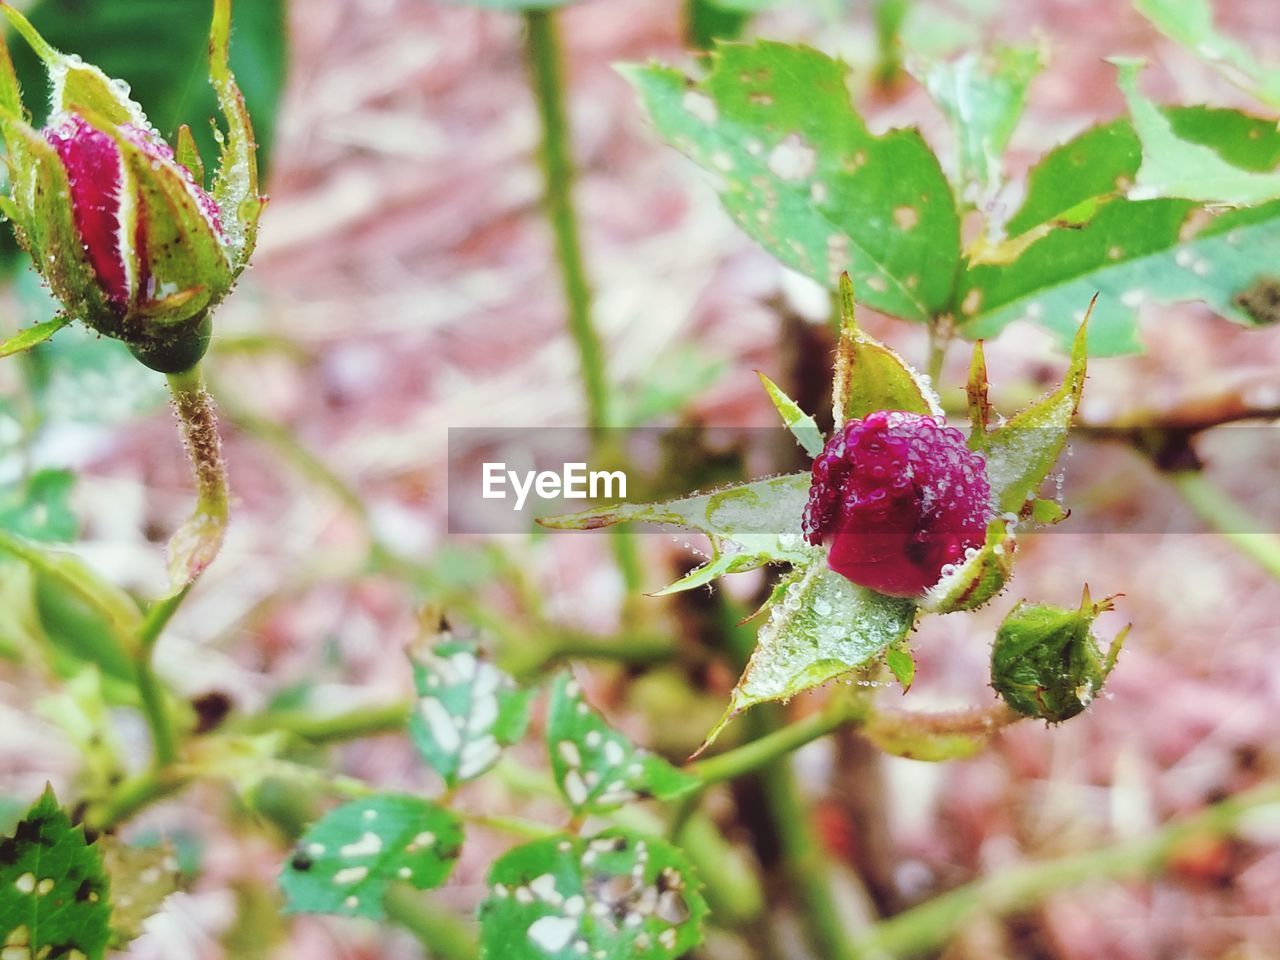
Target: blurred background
<point x="405" y="283"/>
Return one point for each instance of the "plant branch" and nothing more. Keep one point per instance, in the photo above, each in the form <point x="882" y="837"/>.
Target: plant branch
<point x="929" y="926"/>
<point x="198" y="541"/>
<point x="1217" y="509"/>
<point x="444" y="935"/>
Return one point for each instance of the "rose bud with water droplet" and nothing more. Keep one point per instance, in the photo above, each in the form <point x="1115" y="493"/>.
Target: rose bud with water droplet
<point x="123" y="230"/>
<point x="898" y="499"/>
<point x="1046" y="662"/>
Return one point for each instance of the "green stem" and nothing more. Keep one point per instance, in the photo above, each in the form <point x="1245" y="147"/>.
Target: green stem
<point x="762" y="751"/>
<point x="546" y="70"/>
<point x="349" y="725"/>
<point x="889" y="16"/>
<point x="929" y="926"/>
<point x="444" y="935"/>
<point x="1216" y="508"/>
<point x="939" y="340"/>
<point x="135" y="794"/>
<point x="197" y="543"/>
<point x="807" y="868"/>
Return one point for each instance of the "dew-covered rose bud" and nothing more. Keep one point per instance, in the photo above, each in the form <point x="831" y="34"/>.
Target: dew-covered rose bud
<point x="1046" y="662"/>
<point x="899" y="500"/>
<point x="126" y="236"/>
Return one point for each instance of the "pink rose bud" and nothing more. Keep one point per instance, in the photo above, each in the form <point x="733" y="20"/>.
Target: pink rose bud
<point x="897" y="498"/>
<point x="126" y="236"/>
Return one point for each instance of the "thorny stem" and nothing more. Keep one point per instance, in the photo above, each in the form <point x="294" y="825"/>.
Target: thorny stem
<point x="546" y="69"/>
<point x="194" y="547"/>
<point x="1212" y="504"/>
<point x="929" y="926"/>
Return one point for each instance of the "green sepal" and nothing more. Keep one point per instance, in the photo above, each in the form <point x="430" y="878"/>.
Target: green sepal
<point x="802" y="426"/>
<point x="46" y="226"/>
<point x="33" y="336"/>
<point x="869" y="376"/>
<point x="979" y="577"/>
<point x="10" y="91"/>
<point x="187" y="153"/>
<point x="1046" y="662"/>
<point x="77" y="85"/>
<point x="235" y="184"/>
<point x="1021" y="452"/>
<point x="901" y="663"/>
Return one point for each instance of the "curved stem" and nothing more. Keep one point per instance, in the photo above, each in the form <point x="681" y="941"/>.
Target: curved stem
<point x="928" y="927"/>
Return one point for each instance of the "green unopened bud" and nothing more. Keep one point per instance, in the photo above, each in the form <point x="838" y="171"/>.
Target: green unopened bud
<point x="1046" y="662"/>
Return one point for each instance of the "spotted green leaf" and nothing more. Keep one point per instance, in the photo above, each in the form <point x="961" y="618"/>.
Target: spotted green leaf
<point x="1021" y="451"/>
<point x="616" y="896"/>
<point x="595" y="766"/>
<point x="344" y="863"/>
<point x="467" y="710"/>
<point x="1190" y="23"/>
<point x="983" y="97"/>
<point x="750" y="524"/>
<point x="869" y="376"/>
<point x="1177" y="167"/>
<point x="800" y="172"/>
<point x="823" y="626"/>
<point x="802" y="426"/>
<point x="1130" y="252"/>
<point x="53" y="891"/>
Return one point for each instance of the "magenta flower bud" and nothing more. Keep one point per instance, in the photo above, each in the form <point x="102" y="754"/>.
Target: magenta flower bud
<point x="898" y="499"/>
<point x="127" y="237"/>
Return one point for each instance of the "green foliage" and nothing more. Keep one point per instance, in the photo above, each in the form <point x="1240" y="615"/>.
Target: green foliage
<point x="800" y="172"/>
<point x="53" y="891"/>
<point x="1046" y="662"/>
<point x="345" y="862"/>
<point x="983" y="97"/>
<point x="616" y="896"/>
<point x="1190" y="23"/>
<point x="24" y="340"/>
<point x="467" y="711"/>
<point x="706" y="21"/>
<point x="597" y="768"/>
<point x="802" y="426"/>
<point x="38" y="509"/>
<point x="822" y="627"/>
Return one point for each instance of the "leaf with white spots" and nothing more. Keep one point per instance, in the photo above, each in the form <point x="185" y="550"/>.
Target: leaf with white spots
<point x="800" y="172"/>
<point x="595" y="766"/>
<point x="467" y="711"/>
<point x="749" y="524"/>
<point x="616" y="896"/>
<point x="1221" y="166"/>
<point x="53" y="891"/>
<point x="821" y="627"/>
<point x="1131" y="252"/>
<point x="343" y="864"/>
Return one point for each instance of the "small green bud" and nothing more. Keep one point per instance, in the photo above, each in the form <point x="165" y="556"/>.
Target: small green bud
<point x="1046" y="662"/>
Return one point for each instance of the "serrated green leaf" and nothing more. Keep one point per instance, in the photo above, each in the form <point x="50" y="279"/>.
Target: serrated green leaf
<point x="53" y="891"/>
<point x="800" y="172"/>
<point x="597" y="768"/>
<point x="1021" y="451"/>
<point x="616" y="896"/>
<point x="750" y="524"/>
<point x="1131" y="252"/>
<point x="824" y="626"/>
<point x="345" y="862"/>
<point x="802" y="426"/>
<point x="38" y="509"/>
<point x="32" y="336"/>
<point x="869" y="376"/>
<point x="983" y="97"/>
<point x="1066" y="185"/>
<point x="1190" y="23"/>
<point x="1174" y="167"/>
<point x="467" y="710"/>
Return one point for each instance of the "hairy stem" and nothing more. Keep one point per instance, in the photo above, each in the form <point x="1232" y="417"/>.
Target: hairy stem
<point x="197" y="543"/>
<point x="929" y="926"/>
